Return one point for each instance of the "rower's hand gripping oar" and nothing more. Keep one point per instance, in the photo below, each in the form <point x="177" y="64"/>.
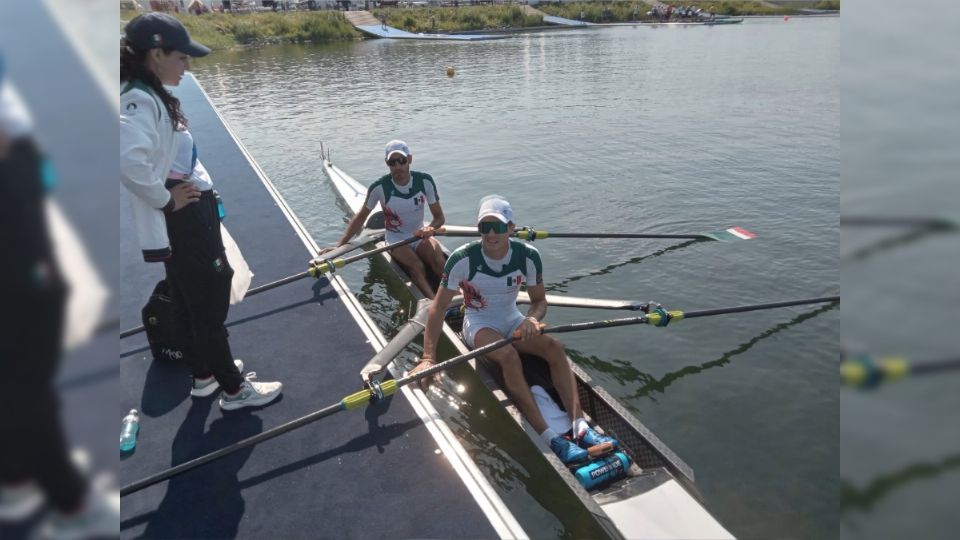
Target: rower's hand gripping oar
<point x="529" y="234"/>
<point x="387" y="388"/>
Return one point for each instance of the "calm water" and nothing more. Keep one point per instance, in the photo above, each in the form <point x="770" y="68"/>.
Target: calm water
<point x="620" y="129"/>
<point x="900" y="458"/>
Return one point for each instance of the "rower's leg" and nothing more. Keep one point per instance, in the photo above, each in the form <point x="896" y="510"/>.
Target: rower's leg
<point x="553" y="352"/>
<point x="432" y="255"/>
<point x="414" y="267"/>
<point x="509" y="362"/>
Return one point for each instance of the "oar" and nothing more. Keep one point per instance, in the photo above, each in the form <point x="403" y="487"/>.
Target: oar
<point x="865" y="371"/>
<point x="358" y="242"/>
<point x="380" y="390"/>
<point x="890" y="221"/>
<point x="529" y="234"/>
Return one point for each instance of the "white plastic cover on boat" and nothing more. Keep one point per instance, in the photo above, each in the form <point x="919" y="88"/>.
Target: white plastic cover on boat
<point x="666" y="511"/>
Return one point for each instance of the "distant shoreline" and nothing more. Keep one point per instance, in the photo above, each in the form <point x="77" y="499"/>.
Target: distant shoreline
<point x="226" y="31"/>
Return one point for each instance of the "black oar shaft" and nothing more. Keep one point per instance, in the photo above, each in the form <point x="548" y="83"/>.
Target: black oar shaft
<point x="522" y="234"/>
<point x="403" y="381"/>
<point x="877" y="221"/>
<point x="239" y="445"/>
<point x="361" y="240"/>
<point x="756" y="307"/>
<point x="381" y="249"/>
<point x="926" y="368"/>
<point x="623" y="235"/>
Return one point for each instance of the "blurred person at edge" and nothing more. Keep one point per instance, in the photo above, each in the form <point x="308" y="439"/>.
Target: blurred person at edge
<point x="173" y="215"/>
<point x="35" y="466"/>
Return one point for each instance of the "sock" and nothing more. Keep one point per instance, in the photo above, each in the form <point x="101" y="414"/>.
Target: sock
<point x="548" y="435"/>
<point x="580" y="425"/>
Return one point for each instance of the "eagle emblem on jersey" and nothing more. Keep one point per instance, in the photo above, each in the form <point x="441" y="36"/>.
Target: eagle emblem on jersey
<point x="391" y="221"/>
<point x="472" y="299"/>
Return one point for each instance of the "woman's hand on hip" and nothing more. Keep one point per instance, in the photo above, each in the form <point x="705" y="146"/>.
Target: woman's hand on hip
<point x="184" y="194"/>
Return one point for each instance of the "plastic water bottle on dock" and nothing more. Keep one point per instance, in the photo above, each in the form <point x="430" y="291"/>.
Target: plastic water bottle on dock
<point x="221" y="211"/>
<point x="130" y="430"/>
<point x="600" y="471"/>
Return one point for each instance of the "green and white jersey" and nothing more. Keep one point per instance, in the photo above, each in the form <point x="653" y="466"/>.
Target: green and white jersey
<point x="402" y="205"/>
<point x="490" y="287"/>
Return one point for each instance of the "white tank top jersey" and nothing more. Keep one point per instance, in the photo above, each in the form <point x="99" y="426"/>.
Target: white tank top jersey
<point x="403" y="206"/>
<point x="186" y="164"/>
<point x="490" y="287"/>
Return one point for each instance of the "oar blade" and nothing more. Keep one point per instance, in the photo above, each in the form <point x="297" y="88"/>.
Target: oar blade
<point x="731" y="234"/>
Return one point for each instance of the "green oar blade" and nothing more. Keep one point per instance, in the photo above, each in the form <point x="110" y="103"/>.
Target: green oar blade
<point x="731" y="234"/>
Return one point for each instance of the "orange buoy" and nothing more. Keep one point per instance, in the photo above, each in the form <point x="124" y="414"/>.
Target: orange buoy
<point x="450" y="71"/>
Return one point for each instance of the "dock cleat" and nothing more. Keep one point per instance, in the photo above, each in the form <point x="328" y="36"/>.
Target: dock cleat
<point x="567" y="451"/>
<point x="590" y="438"/>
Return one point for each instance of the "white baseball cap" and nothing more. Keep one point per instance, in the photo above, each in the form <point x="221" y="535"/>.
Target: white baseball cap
<point x="396" y="146"/>
<point x="497" y="206"/>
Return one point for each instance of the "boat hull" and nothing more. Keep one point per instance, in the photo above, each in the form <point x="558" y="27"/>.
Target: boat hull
<point x="657" y="499"/>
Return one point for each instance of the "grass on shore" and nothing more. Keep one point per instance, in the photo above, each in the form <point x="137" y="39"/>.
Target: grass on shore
<point x="627" y="10"/>
<point x="461" y="19"/>
<point x="221" y="31"/>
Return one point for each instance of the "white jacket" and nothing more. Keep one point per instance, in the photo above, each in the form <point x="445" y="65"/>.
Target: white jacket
<point x="147" y="149"/>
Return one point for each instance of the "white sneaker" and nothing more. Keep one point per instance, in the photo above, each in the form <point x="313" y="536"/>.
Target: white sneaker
<point x="251" y="394"/>
<point x="205" y="387"/>
<point x="99" y="518"/>
<point x="20" y="501"/>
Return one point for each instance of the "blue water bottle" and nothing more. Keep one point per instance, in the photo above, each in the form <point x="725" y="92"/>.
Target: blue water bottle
<point x="128" y="434"/>
<point x="601" y="471"/>
<point x="221" y="211"/>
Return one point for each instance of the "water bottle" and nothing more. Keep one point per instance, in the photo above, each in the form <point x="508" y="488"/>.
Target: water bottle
<point x="128" y="434"/>
<point x="600" y="471"/>
<point x="221" y="211"/>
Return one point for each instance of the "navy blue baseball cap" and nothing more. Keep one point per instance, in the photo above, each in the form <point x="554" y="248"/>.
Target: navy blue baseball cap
<point x="152" y="30"/>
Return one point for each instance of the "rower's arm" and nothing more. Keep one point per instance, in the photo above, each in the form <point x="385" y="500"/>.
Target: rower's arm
<point x="354" y="226"/>
<point x="438" y="217"/>
<point x="431" y="334"/>
<point x="538" y="301"/>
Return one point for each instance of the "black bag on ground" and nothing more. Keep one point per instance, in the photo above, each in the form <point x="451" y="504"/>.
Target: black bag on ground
<point x="168" y="337"/>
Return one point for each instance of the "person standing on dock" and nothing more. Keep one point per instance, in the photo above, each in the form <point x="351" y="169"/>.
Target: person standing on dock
<point x="403" y="194"/>
<point x="489" y="273"/>
<point x="36" y="469"/>
<point x="177" y="218"/>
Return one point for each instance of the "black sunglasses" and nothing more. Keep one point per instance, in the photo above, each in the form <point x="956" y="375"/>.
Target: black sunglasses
<point x="396" y="161"/>
<point x="498" y="227"/>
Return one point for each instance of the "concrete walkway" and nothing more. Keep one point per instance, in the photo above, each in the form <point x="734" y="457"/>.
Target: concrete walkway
<point x="361" y="18"/>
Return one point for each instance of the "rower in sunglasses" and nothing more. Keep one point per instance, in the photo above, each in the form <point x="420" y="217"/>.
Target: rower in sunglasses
<point x="489" y="273"/>
<point x="403" y="194"/>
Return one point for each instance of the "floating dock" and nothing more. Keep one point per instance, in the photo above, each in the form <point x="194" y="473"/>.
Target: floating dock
<point x="385" y="472"/>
